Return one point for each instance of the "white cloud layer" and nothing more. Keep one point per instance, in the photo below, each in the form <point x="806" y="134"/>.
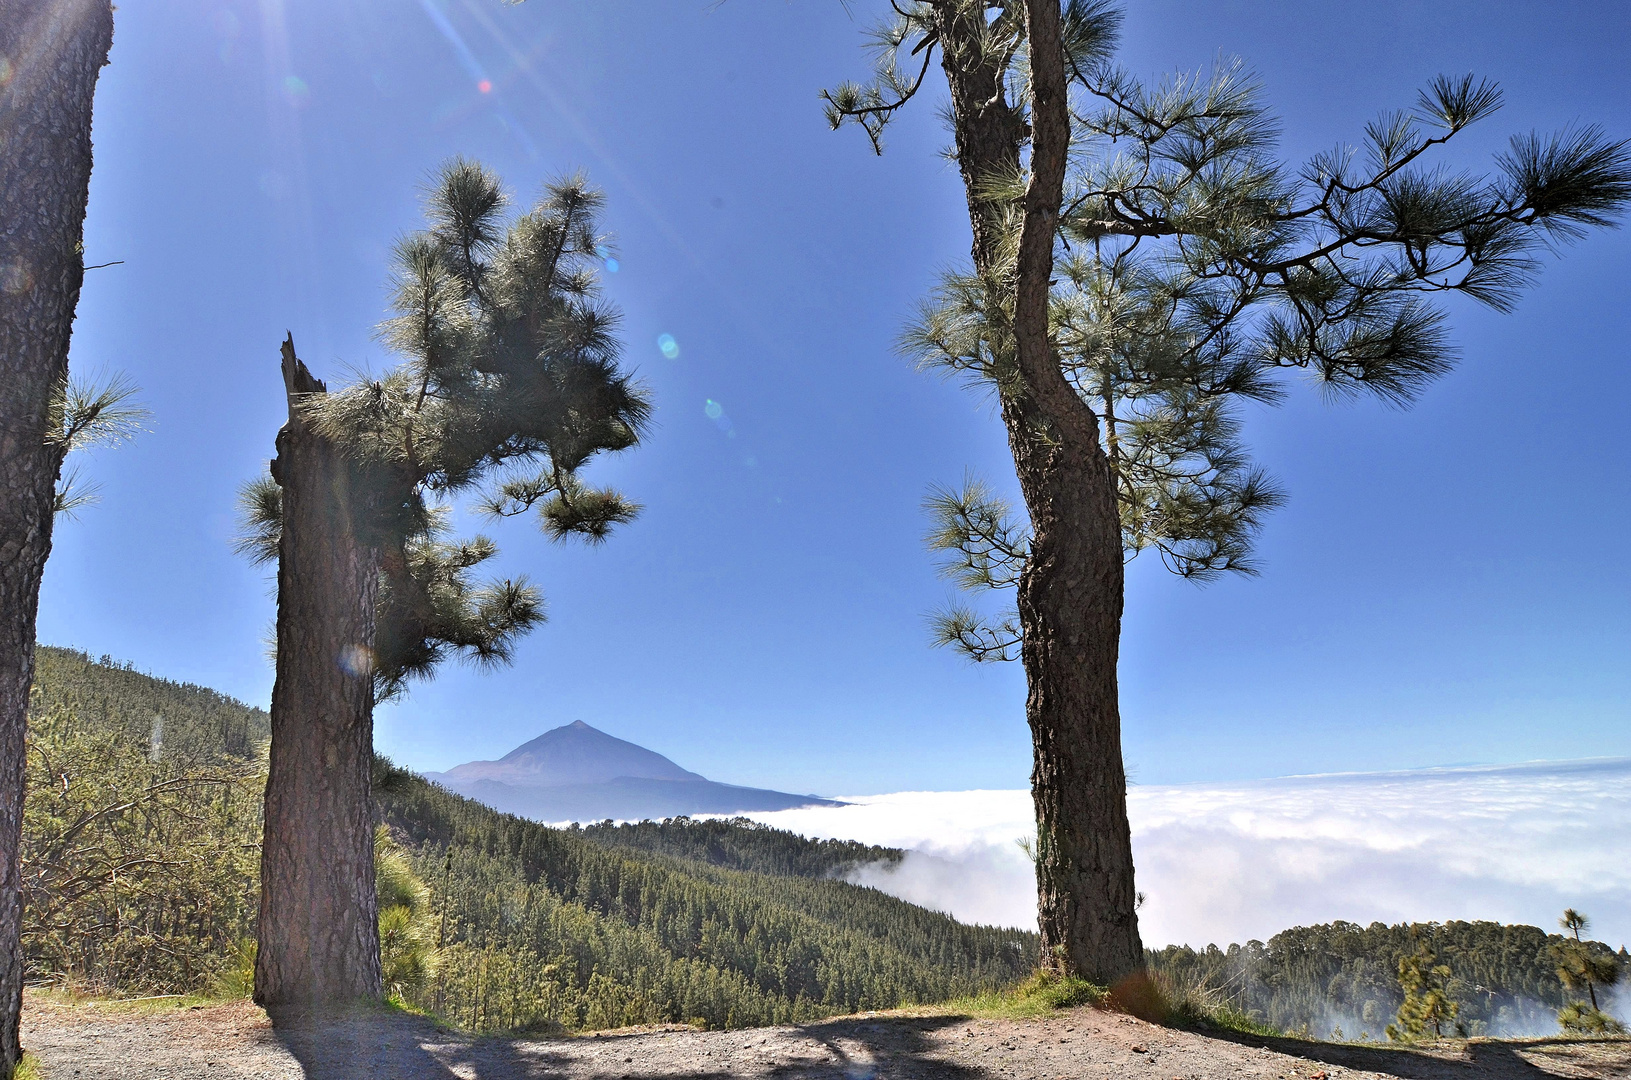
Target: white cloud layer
<point x="1230" y="862"/>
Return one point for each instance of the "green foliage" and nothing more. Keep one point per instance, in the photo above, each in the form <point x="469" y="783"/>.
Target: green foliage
<point x="1340" y="975"/>
<point x="143" y="878"/>
<point x="260" y="520"/>
<point x="1200" y="1005"/>
<point x="84" y="414"/>
<point x="1055" y="991"/>
<point x="141" y="829"/>
<point x="1428" y="996"/>
<point x="546" y="928"/>
<point x="742" y="844"/>
<point x="182" y="722"/>
<point x="1194" y="268"/>
<point x="407" y="925"/>
<point x="1581" y="967"/>
<point x="508" y="385"/>
<point x="985" y="549"/>
<point x="1040" y="993"/>
<point x="1583" y="1018"/>
<point x="236" y="979"/>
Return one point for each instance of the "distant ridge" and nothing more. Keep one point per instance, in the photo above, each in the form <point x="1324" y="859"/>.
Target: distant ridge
<point x="580" y="773"/>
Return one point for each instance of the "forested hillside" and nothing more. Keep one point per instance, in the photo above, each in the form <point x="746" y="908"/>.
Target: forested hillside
<point x="588" y="934"/>
<point x="141" y="827"/>
<point x="142" y="847"/>
<point x="741" y="844"/>
<point x="1342" y="980"/>
<point x="182" y="721"/>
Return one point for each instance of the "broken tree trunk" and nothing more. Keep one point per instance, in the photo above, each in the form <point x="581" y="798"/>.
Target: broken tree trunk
<point x="319" y="926"/>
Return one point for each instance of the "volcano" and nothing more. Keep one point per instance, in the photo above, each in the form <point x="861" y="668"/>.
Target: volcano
<point x="580" y="773"/>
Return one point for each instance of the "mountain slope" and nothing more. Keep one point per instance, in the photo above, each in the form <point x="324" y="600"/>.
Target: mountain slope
<point x="740" y="844"/>
<point x="141" y="829"/>
<point x="179" y="721"/>
<point x="588" y="933"/>
<point x="531" y="927"/>
<point x="573" y="754"/>
<point x="579" y="773"/>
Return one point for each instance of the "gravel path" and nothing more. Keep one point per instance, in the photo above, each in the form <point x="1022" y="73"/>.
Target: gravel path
<point x="90" y="1041"/>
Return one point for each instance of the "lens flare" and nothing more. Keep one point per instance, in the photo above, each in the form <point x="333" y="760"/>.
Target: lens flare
<point x="477" y="73"/>
<point x="356" y="660"/>
<point x="714" y="411"/>
<point x="670" y="348"/>
<point x="295" y="90"/>
<point x="16" y="278"/>
<point x="611" y="264"/>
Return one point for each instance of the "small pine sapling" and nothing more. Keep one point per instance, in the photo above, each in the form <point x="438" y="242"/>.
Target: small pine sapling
<point x="1580" y="967"/>
<point x="1427" y="996"/>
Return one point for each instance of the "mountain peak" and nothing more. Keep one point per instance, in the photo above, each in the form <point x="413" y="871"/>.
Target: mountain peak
<point x="573" y="753"/>
<point x="579" y="773"/>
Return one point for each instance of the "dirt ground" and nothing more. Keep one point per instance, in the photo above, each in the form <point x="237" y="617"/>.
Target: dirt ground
<point x="231" y="1041"/>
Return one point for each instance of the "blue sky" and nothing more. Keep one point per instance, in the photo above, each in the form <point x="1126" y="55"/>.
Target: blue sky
<point x="1447" y="584"/>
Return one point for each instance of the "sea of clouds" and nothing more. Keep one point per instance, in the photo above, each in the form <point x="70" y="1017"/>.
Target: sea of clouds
<point x="1228" y="862"/>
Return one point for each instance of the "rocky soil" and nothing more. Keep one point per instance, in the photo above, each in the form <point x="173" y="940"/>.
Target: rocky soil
<point x="237" y="1040"/>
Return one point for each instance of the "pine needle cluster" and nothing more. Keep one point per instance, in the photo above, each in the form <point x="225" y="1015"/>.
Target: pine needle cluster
<point x="509" y="384"/>
<point x="86" y="413"/>
<point x="407" y="930"/>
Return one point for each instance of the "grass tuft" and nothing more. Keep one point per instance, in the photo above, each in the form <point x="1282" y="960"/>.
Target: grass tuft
<point x="236" y="979"/>
<point x="1149" y="997"/>
<point x="1042" y="993"/>
<point x="1198" y="1006"/>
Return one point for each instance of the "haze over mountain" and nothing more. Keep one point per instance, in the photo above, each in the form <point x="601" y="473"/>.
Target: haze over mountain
<point x="579" y="773"/>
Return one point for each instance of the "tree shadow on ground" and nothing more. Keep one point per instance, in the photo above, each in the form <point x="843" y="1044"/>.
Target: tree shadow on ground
<point x="412" y="1048"/>
<point x="863" y="1049"/>
<point x="852" y="1048"/>
<point x="378" y="1044"/>
<point x="1495" y="1059"/>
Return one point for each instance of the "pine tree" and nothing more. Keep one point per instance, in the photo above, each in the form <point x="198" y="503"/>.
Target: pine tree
<point x="50" y="56"/>
<point x="1427" y="997"/>
<point x="1120" y="317"/>
<point x="1581" y="967"/>
<point x="509" y="385"/>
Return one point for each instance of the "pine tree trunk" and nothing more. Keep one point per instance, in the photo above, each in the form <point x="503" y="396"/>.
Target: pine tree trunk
<point x="50" y="56"/>
<point x="1070" y="596"/>
<point x="1070" y="603"/>
<point x="319" y="925"/>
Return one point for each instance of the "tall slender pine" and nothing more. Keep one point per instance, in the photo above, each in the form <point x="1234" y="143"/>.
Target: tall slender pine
<point x="51" y="52"/>
<point x="1142" y="260"/>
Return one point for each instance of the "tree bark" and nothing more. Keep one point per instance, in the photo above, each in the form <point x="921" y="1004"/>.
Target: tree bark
<point x="319" y="922"/>
<point x="50" y="56"/>
<point x="1070" y="594"/>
